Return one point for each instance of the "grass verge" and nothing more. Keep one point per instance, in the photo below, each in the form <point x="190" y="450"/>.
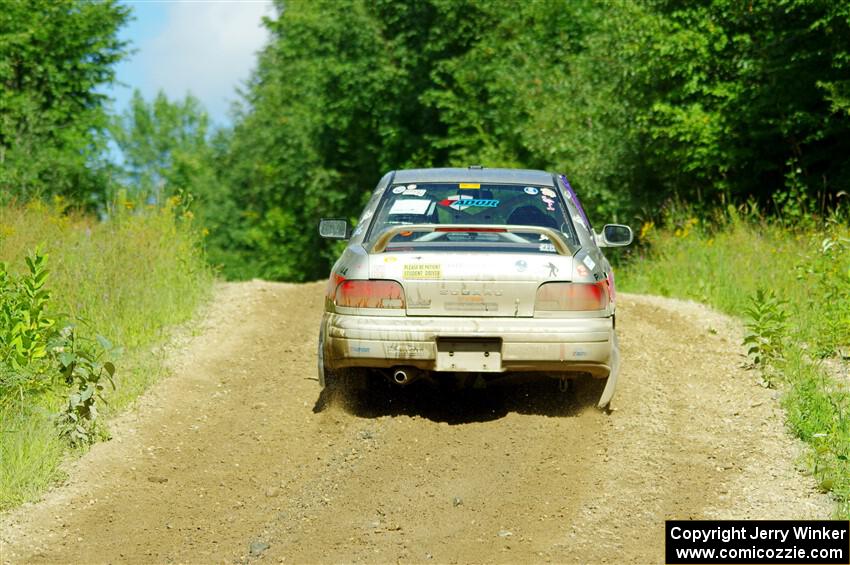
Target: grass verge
<point x="799" y="322"/>
<point x="130" y="279"/>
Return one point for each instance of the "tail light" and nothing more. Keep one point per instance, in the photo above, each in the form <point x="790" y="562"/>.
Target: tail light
<point x="572" y="296"/>
<point x="369" y="294"/>
<point x="333" y="282"/>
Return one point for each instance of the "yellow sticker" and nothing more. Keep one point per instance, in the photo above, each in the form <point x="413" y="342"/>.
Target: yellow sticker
<point x="389" y="259"/>
<point x="469" y="185"/>
<point x="423" y="271"/>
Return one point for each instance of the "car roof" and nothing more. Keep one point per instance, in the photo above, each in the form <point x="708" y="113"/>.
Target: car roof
<point x="486" y="175"/>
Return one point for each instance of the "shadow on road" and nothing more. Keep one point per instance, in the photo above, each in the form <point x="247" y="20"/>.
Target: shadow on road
<point x="463" y="406"/>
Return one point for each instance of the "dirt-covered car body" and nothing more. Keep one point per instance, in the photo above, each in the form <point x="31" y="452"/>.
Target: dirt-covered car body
<point x="476" y="272"/>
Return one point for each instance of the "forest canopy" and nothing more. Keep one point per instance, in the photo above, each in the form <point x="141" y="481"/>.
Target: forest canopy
<point x="638" y="102"/>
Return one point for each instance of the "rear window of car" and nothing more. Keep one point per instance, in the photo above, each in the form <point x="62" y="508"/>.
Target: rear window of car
<point x="472" y="203"/>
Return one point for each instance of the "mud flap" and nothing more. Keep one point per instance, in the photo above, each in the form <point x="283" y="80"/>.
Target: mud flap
<point x="611" y="382"/>
<point x="321" y="360"/>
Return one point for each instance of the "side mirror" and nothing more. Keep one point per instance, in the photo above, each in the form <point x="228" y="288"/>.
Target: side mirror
<point x="615" y="235"/>
<point x="334" y="228"/>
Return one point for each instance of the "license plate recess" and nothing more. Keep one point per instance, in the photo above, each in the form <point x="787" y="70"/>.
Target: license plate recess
<point x="469" y="355"/>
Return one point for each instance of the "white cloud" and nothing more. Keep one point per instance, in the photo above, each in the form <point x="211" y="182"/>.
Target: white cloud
<point x="206" y="48"/>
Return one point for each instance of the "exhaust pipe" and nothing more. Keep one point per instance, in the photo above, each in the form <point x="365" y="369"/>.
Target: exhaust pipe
<point x="405" y="375"/>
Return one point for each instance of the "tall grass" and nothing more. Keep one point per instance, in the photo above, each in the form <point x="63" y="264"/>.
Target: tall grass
<point x="724" y="262"/>
<point x="128" y="278"/>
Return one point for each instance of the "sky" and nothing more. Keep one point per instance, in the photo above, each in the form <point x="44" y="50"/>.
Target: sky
<point x="206" y="47"/>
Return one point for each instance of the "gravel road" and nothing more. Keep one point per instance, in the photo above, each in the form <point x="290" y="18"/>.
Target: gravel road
<point x="237" y="458"/>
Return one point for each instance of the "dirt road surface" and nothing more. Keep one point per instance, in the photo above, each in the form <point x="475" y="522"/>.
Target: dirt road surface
<point x="235" y="458"/>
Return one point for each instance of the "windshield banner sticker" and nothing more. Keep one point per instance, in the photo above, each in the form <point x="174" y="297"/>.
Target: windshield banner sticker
<point x="463" y="202"/>
<point x="470" y="185"/>
<point x="410" y="206"/>
<point x="422" y="271"/>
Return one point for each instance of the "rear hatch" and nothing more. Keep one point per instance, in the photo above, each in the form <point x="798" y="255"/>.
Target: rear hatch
<point x="470" y="284"/>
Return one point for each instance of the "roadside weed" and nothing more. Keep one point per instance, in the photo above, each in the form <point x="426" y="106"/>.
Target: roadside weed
<point x="791" y="286"/>
<point x="768" y="331"/>
<point x="818" y="411"/>
<point x="25" y="327"/>
<point x="130" y="277"/>
<point x="85" y="372"/>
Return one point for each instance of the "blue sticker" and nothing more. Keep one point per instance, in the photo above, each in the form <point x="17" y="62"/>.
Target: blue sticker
<point x="463" y="202"/>
<point x="479" y="202"/>
<point x="531" y="190"/>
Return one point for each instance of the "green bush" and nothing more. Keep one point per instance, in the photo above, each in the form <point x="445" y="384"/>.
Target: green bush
<point x="25" y="328"/>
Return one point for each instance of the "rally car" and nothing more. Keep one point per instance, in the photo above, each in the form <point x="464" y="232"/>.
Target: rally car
<point x="472" y="275"/>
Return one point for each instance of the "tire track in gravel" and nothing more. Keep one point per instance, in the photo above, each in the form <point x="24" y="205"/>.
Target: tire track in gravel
<point x="232" y="450"/>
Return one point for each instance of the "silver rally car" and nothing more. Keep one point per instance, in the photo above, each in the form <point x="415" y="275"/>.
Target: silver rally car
<point x="471" y="274"/>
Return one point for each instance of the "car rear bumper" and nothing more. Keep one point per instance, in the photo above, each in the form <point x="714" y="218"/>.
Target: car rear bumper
<point x="524" y="344"/>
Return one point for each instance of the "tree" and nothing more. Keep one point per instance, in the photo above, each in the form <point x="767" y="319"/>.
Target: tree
<point x="333" y="102"/>
<point x="55" y="55"/>
<point x="165" y="147"/>
<point x="638" y="102"/>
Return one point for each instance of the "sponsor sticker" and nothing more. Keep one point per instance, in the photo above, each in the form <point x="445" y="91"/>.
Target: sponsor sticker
<point x="404" y="350"/>
<point x="589" y="262"/>
<point x="532" y="190"/>
<point x="418" y="303"/>
<point x="481" y="202"/>
<point x="547" y="247"/>
<point x="462" y="202"/>
<point x="423" y="271"/>
<point x="409" y="190"/>
<point x="410" y="206"/>
<point x="469" y="185"/>
<point x="548" y="192"/>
